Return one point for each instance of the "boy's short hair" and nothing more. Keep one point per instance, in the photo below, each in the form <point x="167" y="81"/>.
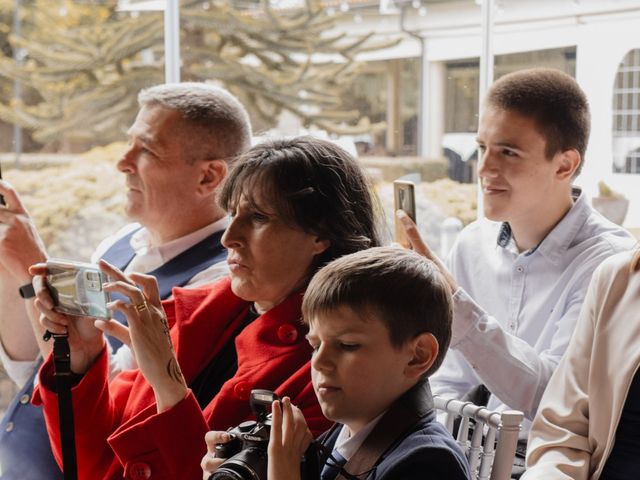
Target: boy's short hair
<point x="404" y="290"/>
<point x="555" y="102"/>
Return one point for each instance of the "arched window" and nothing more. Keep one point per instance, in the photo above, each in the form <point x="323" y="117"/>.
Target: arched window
<point x="626" y="115"/>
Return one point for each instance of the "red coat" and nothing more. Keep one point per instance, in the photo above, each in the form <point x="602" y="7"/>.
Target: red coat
<point x="118" y="430"/>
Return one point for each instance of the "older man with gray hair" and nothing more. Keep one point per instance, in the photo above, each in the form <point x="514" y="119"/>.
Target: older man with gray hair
<point x="181" y="145"/>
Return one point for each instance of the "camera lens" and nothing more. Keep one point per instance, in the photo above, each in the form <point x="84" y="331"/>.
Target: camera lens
<point x="249" y="464"/>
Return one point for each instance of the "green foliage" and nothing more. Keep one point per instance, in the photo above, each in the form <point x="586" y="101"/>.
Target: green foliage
<point x="85" y="62"/>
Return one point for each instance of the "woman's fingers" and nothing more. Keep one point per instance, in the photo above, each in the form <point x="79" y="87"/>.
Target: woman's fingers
<point x="113" y="272"/>
<point x="136" y="298"/>
<point x="149" y="286"/>
<point x="115" y="329"/>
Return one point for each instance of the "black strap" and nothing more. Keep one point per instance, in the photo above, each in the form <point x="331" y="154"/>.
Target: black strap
<point x="394" y="425"/>
<point x="64" y="382"/>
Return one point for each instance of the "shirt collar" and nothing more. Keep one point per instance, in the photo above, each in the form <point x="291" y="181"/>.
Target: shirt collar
<point x="559" y="239"/>
<point x="347" y="446"/>
<point x="141" y="241"/>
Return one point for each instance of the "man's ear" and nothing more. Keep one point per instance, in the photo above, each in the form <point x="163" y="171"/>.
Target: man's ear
<point x="212" y="173"/>
<point x="568" y="163"/>
<point x="424" y="351"/>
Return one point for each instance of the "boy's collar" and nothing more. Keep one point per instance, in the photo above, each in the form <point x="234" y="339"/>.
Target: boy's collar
<point x="414" y="404"/>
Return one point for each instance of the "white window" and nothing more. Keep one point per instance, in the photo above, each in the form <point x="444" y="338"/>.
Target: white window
<point x="626" y="115"/>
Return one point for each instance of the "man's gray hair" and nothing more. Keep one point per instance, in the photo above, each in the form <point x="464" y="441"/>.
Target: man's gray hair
<point x="222" y="117"/>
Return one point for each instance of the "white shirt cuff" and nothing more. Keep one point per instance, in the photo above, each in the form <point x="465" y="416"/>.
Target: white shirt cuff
<point x="466" y="315"/>
<point x="18" y="370"/>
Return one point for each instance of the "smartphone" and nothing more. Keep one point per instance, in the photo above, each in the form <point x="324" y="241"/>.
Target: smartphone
<point x="404" y="196"/>
<point x="76" y="288"/>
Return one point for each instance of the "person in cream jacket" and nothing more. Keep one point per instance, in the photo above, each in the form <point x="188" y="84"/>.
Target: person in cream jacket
<point x="583" y="427"/>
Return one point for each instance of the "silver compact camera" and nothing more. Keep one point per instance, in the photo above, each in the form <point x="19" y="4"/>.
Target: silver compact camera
<point x="76" y="288"/>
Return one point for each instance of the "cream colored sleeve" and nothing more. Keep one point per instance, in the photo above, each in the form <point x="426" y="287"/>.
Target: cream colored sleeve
<point x="559" y="438"/>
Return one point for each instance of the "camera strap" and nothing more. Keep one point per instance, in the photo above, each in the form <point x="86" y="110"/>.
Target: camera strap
<point x="391" y="429"/>
<point x="64" y="382"/>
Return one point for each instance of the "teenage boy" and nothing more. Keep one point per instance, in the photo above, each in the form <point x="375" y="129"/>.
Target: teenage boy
<point x="379" y="325"/>
<point x="520" y="275"/>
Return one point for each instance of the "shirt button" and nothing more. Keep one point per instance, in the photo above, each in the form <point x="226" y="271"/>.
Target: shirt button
<point x="287" y="333"/>
<point x="140" y="470"/>
<point x="520" y="269"/>
<point x="24" y="399"/>
<point x="9" y="427"/>
<point x="242" y="390"/>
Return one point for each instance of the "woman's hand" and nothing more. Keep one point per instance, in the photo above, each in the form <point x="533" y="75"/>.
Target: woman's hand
<point x="149" y="332"/>
<point x="85" y="340"/>
<point x="418" y="245"/>
<point x="210" y="463"/>
<point x="290" y="438"/>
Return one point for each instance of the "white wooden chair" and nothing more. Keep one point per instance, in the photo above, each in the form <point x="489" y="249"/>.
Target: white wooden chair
<point x="488" y="460"/>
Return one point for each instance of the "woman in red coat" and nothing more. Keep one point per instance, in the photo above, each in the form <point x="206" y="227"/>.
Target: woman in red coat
<point x="294" y="205"/>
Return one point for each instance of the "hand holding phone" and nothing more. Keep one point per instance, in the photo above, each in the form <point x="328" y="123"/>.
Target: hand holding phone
<point x="404" y="199"/>
<point x="76" y="288"/>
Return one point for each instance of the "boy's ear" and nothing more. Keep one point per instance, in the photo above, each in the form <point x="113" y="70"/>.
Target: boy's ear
<point x="212" y="174"/>
<point x="424" y="351"/>
<point x="568" y="162"/>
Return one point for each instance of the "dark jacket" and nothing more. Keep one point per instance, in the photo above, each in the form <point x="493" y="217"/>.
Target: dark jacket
<point x="422" y="450"/>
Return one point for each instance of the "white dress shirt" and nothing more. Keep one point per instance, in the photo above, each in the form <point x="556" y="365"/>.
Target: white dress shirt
<point x="147" y="258"/>
<point x="348" y="445"/>
<point x="514" y="313"/>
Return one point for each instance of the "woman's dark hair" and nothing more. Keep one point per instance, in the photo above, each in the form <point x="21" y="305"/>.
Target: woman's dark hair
<point x="313" y="185"/>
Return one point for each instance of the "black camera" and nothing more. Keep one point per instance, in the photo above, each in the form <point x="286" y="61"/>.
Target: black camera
<point x="246" y="452"/>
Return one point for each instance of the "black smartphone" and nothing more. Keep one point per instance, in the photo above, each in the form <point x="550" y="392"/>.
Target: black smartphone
<point x="404" y="196"/>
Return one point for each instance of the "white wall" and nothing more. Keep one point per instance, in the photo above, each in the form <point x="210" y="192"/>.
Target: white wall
<point x="603" y="31"/>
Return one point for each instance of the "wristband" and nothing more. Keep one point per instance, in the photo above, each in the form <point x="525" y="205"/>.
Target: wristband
<point x="27" y="291"/>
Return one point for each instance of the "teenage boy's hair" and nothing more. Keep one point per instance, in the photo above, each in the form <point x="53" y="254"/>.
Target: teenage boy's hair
<point x="554" y="101"/>
<point x="403" y="289"/>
